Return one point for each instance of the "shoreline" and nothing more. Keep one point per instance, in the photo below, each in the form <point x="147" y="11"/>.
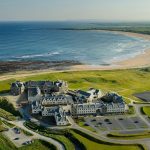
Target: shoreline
<point x="139" y="61"/>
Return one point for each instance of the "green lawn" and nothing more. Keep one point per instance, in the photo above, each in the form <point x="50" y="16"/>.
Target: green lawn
<point x="6" y="115"/>
<point x="146" y="110"/>
<point x="67" y="143"/>
<point x="125" y="82"/>
<point x="5" y="144"/>
<point x="91" y="144"/>
<point x="129" y="136"/>
<point x="8" y="124"/>
<point x="2" y="128"/>
<point x="39" y="145"/>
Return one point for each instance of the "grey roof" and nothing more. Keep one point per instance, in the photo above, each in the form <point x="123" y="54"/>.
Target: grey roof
<point x="112" y="97"/>
<point x="32" y="91"/>
<point x="83" y="93"/>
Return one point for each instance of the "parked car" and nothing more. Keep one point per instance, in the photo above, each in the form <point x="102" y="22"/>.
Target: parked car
<point x="106" y="120"/>
<point x="16" y="138"/>
<point x="86" y="124"/>
<point x="93" y="120"/>
<point x="100" y="123"/>
<point x="136" y="122"/>
<point x="16" y="130"/>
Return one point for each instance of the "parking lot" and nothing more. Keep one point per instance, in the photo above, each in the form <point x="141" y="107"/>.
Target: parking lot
<point x="115" y="123"/>
<point x="18" y="138"/>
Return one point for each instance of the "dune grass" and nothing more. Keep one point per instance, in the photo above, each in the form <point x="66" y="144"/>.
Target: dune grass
<point x="125" y="82"/>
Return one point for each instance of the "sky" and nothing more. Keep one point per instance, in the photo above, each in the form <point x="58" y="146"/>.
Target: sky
<point x="55" y="10"/>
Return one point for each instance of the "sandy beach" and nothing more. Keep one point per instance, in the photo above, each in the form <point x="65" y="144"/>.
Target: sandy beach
<point x="142" y="60"/>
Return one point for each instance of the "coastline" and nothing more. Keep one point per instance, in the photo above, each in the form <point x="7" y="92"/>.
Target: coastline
<point x="139" y="61"/>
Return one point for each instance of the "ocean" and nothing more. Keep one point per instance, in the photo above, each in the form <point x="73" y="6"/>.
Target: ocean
<point x="48" y="41"/>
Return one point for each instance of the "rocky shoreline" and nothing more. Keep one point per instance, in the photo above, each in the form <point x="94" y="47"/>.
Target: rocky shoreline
<point x="12" y="66"/>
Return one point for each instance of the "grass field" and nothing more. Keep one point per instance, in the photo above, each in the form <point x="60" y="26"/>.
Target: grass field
<point x="146" y="110"/>
<point x="125" y="82"/>
<point x="5" y="144"/>
<point x="6" y="115"/>
<point x="8" y="124"/>
<point x="129" y="136"/>
<point x="2" y="128"/>
<point x="39" y="145"/>
<point x="91" y="144"/>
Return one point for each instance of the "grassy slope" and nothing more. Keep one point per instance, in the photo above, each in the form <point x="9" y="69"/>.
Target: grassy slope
<point x="129" y="136"/>
<point x="146" y="110"/>
<point x="125" y="82"/>
<point x="67" y="143"/>
<point x="5" y="144"/>
<point x="6" y="115"/>
<point x="90" y="144"/>
<point x="38" y="145"/>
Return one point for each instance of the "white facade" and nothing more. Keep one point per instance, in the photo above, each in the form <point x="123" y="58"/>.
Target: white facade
<point x="60" y="117"/>
<point x="48" y="111"/>
<point x="36" y="107"/>
<point x="57" y="112"/>
<point x="116" y="108"/>
<point x="86" y="108"/>
<point x="34" y="94"/>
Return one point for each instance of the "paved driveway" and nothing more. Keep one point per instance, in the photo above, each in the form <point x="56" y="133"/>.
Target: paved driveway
<point x="21" y="137"/>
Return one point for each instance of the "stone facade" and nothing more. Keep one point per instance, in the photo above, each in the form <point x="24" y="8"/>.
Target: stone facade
<point x="87" y="109"/>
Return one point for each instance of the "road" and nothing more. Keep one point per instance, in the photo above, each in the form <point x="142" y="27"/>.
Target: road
<point x="36" y="135"/>
<point x="103" y="137"/>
